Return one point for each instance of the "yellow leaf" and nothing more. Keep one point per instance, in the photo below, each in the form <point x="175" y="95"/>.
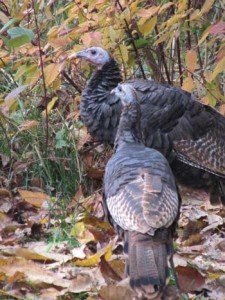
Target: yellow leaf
<point x="28" y="124"/>
<point x="165" y="6"/>
<point x="112" y="34"/>
<point x="59" y="42"/>
<point x="208" y="75"/>
<point x="188" y="84"/>
<point x="3" y="18"/>
<point x="56" y="84"/>
<point x="191" y="60"/>
<point x="133" y="7"/>
<point x="175" y="19"/>
<point x="51" y="72"/>
<point x="207" y="6"/>
<point x="48" y="13"/>
<point x="162" y="38"/>
<point x="34" y="198"/>
<point x="91" y="38"/>
<point x="204" y="36"/>
<point x="50" y="106"/>
<point x="9" y="106"/>
<point x="148" y="13"/>
<point x="148" y="26"/>
<point x="182" y="5"/>
<point x="195" y="15"/>
<point x="29" y="254"/>
<point x="78" y="229"/>
<point x="94" y="259"/>
<point x="124" y="52"/>
<point x="220" y="67"/>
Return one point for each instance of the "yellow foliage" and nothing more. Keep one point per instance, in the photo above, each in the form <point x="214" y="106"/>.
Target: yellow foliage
<point x="148" y="26"/>
<point x="188" y="84"/>
<point x="52" y="71"/>
<point x="191" y="60"/>
<point x="95" y="259"/>
<point x="34" y="198"/>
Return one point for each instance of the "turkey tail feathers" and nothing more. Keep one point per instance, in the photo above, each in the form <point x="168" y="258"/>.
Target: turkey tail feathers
<point x="147" y="264"/>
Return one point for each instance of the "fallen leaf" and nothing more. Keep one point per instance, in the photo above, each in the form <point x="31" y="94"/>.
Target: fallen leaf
<point x="34" y="198"/>
<point x="113" y="292"/>
<point x="95" y="259"/>
<point x="189" y="279"/>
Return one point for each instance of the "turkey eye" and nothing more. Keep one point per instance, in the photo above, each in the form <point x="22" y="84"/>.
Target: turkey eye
<point x="93" y="52"/>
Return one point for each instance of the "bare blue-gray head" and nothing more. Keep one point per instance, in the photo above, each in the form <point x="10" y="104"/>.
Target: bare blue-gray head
<point x="126" y="92"/>
<point x="95" y="55"/>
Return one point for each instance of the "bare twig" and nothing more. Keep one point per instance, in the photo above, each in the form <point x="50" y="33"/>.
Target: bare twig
<point x="179" y="61"/>
<point x="199" y="57"/>
<point x="43" y="76"/>
<point x="189" y="26"/>
<point x="71" y="82"/>
<point x="154" y="66"/>
<point x="162" y="55"/>
<point x="129" y="33"/>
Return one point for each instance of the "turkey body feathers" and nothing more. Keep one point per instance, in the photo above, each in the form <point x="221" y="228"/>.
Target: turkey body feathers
<point x="100" y="110"/>
<point x="142" y="203"/>
<point x="187" y="132"/>
<point x="142" y="180"/>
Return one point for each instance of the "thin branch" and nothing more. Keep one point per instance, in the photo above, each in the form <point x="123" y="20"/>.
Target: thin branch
<point x="189" y="27"/>
<point x="154" y="66"/>
<point x="162" y="55"/>
<point x="199" y="57"/>
<point x="129" y="33"/>
<point x="179" y="61"/>
<point x="71" y="82"/>
<point x="43" y="76"/>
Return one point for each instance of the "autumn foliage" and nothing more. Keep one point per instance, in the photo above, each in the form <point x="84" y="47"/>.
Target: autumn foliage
<point x="54" y="243"/>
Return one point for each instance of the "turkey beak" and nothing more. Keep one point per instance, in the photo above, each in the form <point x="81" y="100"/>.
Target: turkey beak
<point x="78" y="54"/>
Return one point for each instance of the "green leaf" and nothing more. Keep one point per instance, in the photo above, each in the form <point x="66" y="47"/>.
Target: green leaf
<point x="19" y="31"/>
<point x="60" y="140"/>
<point x="141" y="43"/>
<point x="10" y="22"/>
<point x="19" y="36"/>
<point x="19" y="41"/>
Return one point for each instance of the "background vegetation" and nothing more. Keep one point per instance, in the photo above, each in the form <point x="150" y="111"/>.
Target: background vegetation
<point x="181" y="42"/>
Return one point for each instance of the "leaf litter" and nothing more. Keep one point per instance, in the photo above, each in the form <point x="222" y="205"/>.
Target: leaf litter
<point x="32" y="267"/>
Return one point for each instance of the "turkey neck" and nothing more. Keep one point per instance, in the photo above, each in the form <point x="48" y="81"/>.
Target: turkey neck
<point x="129" y="129"/>
<point x="103" y="81"/>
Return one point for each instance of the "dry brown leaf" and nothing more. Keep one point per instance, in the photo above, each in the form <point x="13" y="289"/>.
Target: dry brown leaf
<point x="189" y="279"/>
<point x="194" y="239"/>
<point x="32" y="271"/>
<point x="112" y="292"/>
<point x="34" y="198"/>
<point x="30" y="254"/>
<point x="28" y="124"/>
<point x="81" y="283"/>
<point x="108" y="271"/>
<point x="51" y="294"/>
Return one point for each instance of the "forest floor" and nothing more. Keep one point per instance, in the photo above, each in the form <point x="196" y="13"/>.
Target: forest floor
<point x="37" y="263"/>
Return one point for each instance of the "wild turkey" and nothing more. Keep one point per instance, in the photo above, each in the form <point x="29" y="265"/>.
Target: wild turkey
<point x="141" y="201"/>
<point x="191" y="135"/>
